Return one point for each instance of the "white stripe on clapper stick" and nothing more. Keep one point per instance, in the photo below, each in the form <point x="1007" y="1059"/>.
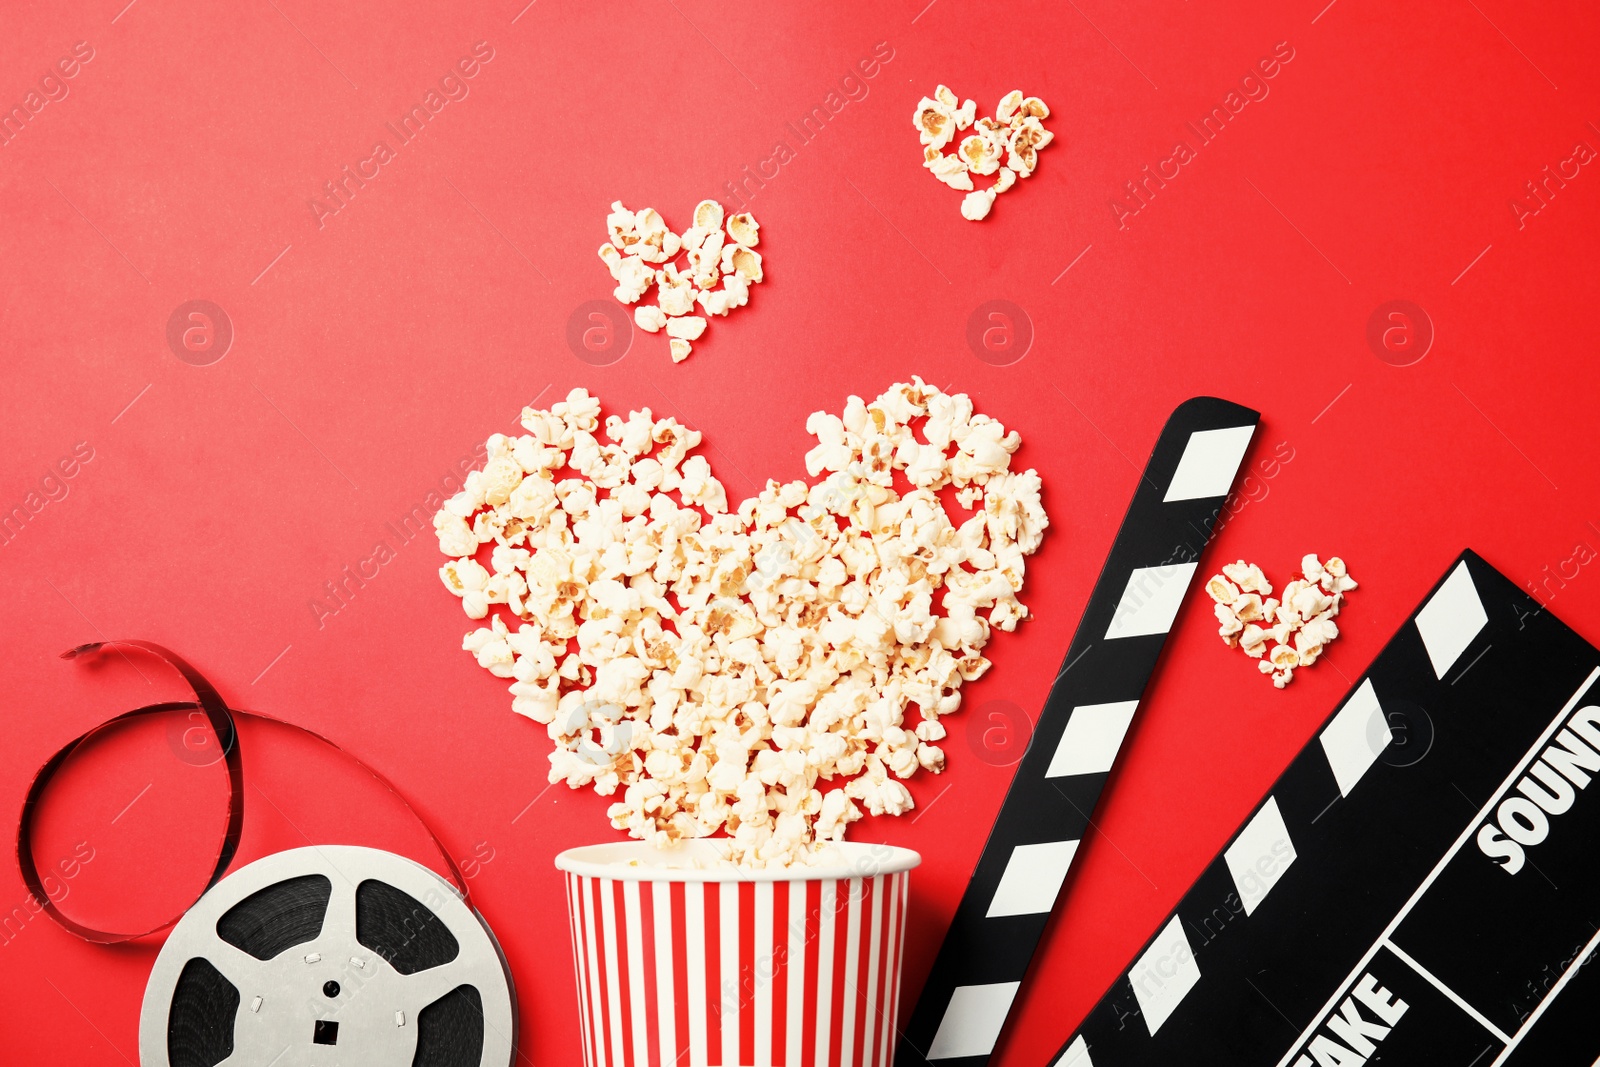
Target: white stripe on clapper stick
<point x="1164" y="974"/>
<point x="1032" y="878"/>
<point x="1210" y="460"/>
<point x="1077" y="1055"/>
<point x="1093" y="736"/>
<point x="1451" y="618"/>
<point x="972" y="1021"/>
<point x="1355" y="737"/>
<point x="1150" y="600"/>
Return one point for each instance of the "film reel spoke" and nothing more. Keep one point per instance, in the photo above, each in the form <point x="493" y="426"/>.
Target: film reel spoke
<point x="341" y="911"/>
<point x="238" y="967"/>
<point x="425" y="987"/>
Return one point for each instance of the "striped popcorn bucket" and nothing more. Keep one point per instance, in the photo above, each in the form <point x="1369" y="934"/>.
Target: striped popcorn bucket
<point x="681" y="963"/>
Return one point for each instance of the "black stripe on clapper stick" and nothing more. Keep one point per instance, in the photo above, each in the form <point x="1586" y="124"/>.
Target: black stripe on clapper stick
<point x="1003" y="913"/>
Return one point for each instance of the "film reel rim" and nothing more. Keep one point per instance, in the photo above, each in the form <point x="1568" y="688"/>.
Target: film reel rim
<point x="479" y="960"/>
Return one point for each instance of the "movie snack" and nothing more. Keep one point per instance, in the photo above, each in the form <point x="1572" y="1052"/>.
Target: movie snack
<point x="750" y="673"/>
<point x="1005" y="146"/>
<point x="718" y="259"/>
<point x="1284" y="633"/>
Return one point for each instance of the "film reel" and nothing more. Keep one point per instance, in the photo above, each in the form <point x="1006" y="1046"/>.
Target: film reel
<point x="324" y="956"/>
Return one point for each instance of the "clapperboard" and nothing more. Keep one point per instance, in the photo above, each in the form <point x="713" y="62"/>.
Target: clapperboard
<point x="1421" y="886"/>
<point x="1008" y="901"/>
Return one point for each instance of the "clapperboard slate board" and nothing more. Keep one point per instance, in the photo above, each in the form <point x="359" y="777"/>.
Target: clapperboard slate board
<point x="1421" y="886"/>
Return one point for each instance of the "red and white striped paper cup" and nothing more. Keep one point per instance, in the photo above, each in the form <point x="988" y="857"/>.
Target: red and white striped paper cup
<point x="681" y="963"/>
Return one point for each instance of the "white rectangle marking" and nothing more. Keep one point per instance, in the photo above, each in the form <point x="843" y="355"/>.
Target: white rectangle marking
<point x="1092" y="738"/>
<point x="1032" y="878"/>
<point x="1164" y="975"/>
<point x="1210" y="460"/>
<point x="1150" y="601"/>
<point x="1355" y="737"/>
<point x="1259" y="855"/>
<point x="1451" y="619"/>
<point x="972" y="1021"/>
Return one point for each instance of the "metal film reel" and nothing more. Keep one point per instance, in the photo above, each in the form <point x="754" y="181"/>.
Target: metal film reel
<point x="328" y="956"/>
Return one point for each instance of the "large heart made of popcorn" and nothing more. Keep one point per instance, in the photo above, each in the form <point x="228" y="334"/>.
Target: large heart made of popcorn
<point x="1283" y="633"/>
<point x="1005" y="146"/>
<point x="761" y="674"/>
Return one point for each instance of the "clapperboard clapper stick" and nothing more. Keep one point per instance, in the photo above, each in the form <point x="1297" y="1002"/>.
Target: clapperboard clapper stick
<point x="1420" y="887"/>
<point x="1007" y="903"/>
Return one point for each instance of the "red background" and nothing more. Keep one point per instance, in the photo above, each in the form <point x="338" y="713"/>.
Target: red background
<point x="372" y="352"/>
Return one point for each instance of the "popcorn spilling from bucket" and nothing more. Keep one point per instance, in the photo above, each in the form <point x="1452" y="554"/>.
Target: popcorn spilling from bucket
<point x="767" y="674"/>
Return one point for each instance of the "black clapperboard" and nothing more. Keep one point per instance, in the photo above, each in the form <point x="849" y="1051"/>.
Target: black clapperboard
<point x="1420" y="887"/>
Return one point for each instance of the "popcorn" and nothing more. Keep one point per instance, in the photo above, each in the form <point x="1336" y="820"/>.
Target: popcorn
<point x="1008" y="106"/>
<point x="980" y="154"/>
<point x="1005" y="146"/>
<point x="718" y="267"/>
<point x="743" y="228"/>
<point x="1221" y="590"/>
<point x="707" y="216"/>
<point x="749" y="673"/>
<point x="1284" y="633"/>
<point x="633" y="278"/>
<point x="976" y="205"/>
<point x="620" y="225"/>
<point x="935" y="122"/>
<point x="746" y="263"/>
<point x="688" y="327"/>
<point x="1023" y="147"/>
<point x="951" y="170"/>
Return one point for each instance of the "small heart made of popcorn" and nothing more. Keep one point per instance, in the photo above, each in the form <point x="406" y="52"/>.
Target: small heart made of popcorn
<point x="720" y="266"/>
<point x="1005" y="146"/>
<point x="761" y="674"/>
<point x="1287" y="632"/>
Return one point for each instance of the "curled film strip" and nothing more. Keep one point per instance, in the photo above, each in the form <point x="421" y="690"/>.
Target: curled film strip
<point x="1007" y="903"/>
<point x="1420" y="886"/>
<point x="334" y="953"/>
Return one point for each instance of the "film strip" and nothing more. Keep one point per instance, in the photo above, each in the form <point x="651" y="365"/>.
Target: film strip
<point x="1003" y="913"/>
<point x="1419" y="887"/>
